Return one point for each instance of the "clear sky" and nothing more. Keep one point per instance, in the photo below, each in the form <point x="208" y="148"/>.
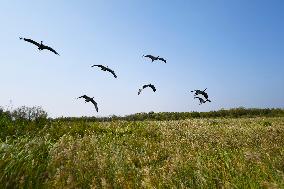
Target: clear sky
<point x="235" y="48"/>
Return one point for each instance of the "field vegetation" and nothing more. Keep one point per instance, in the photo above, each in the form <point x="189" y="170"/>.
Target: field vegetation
<point x="237" y="148"/>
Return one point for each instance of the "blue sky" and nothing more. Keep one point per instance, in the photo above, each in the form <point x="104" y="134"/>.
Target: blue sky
<point x="235" y="48"/>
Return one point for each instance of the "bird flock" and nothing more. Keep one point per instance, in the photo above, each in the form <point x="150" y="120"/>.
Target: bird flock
<point x="198" y="94"/>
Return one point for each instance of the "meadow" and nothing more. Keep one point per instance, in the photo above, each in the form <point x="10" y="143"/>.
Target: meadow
<point x="203" y="152"/>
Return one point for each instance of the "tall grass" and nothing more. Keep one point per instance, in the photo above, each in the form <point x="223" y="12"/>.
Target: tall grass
<point x="192" y="153"/>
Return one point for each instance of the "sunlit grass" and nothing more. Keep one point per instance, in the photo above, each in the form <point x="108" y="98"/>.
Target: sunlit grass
<point x="193" y="153"/>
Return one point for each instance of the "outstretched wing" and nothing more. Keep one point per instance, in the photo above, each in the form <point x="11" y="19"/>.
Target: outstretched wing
<point x="100" y="66"/>
<point x="197" y="92"/>
<point x="95" y="104"/>
<point x="198" y="97"/>
<point x="204" y="94"/>
<point x="50" y="49"/>
<point x="162" y="59"/>
<point x="153" y="87"/>
<point x="200" y="100"/>
<point x="111" y="71"/>
<point x="114" y="75"/>
<point x="150" y="56"/>
<point x="144" y="86"/>
<point x="84" y="96"/>
<point x="30" y="41"/>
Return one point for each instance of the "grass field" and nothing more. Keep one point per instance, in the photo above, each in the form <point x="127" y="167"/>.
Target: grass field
<point x="191" y="153"/>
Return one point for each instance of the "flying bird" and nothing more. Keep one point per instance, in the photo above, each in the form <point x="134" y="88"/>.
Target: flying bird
<point x="105" y="69"/>
<point x="145" y="86"/>
<point x="40" y="45"/>
<point x="89" y="99"/>
<point x="153" y="58"/>
<point x="197" y="92"/>
<point x="151" y="86"/>
<point x="201" y="100"/>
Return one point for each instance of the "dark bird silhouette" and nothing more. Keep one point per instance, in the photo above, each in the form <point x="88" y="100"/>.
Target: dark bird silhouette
<point x="40" y="45"/>
<point x="145" y="86"/>
<point x="204" y="94"/>
<point x="151" y="86"/>
<point x="162" y="59"/>
<point x="139" y="91"/>
<point x="106" y="69"/>
<point x="153" y="58"/>
<point x="89" y="99"/>
<point x="197" y="92"/>
<point x="201" y="100"/>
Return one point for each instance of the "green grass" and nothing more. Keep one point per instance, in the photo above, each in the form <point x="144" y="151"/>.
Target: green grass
<point x="191" y="153"/>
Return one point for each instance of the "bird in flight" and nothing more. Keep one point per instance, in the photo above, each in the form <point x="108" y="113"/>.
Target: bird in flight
<point x="197" y="92"/>
<point x="145" y="86"/>
<point x="105" y="69"/>
<point x="201" y="100"/>
<point x="40" y="45"/>
<point x="153" y="58"/>
<point x="89" y="99"/>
